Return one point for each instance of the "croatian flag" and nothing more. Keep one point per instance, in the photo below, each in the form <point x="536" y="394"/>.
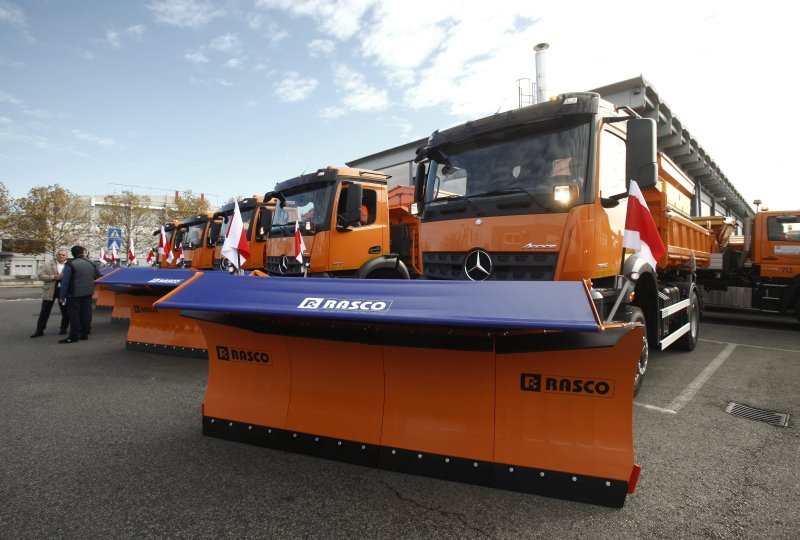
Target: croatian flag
<point x="235" y="248"/>
<point x="641" y="233"/>
<point x="131" y="253"/>
<point x="164" y="247"/>
<point x="299" y="245"/>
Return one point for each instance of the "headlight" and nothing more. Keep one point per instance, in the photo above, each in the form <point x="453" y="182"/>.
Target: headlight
<point x="565" y="194"/>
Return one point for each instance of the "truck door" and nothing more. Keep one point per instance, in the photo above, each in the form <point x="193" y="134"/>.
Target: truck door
<point x="780" y="249"/>
<point x="354" y="245"/>
<point x="610" y="222"/>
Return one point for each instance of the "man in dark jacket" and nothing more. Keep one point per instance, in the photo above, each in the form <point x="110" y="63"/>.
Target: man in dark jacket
<point x="77" y="286"/>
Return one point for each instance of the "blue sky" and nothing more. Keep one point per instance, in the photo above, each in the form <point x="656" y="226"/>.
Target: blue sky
<point x="230" y="97"/>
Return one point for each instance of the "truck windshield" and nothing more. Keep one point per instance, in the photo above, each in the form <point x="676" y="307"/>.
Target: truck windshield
<point x="194" y="235"/>
<point x="546" y="172"/>
<point x="306" y="203"/>
<point x="247" y="217"/>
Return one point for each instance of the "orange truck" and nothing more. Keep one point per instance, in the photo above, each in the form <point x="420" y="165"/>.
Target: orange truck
<point x="352" y="226"/>
<point x="197" y="236"/>
<point x="541" y="193"/>
<point x="256" y="227"/>
<point x="757" y="271"/>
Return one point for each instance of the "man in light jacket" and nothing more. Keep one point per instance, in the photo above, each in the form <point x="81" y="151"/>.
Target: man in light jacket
<point x="50" y="274"/>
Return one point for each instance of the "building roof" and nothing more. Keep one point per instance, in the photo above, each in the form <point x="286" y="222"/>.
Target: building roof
<point x="675" y="140"/>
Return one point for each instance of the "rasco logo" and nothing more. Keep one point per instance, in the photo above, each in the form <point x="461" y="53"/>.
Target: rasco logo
<point x="535" y="382"/>
<point x="337" y="304"/>
<point x="166" y="281"/>
<point x="145" y="309"/>
<point x="234" y="354"/>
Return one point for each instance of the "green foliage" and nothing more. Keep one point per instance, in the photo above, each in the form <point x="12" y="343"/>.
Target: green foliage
<point x="186" y="205"/>
<point x="50" y="217"/>
<point x="130" y="212"/>
<point x="6" y="204"/>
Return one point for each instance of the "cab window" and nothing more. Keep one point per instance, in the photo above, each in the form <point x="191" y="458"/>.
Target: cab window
<point x="612" y="165"/>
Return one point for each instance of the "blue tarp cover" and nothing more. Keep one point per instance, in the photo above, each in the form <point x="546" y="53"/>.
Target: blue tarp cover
<point x="147" y="277"/>
<point x="520" y="305"/>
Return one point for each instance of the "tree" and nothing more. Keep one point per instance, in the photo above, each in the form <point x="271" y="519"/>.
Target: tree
<point x="132" y="213"/>
<point x="186" y="205"/>
<point x="5" y="206"/>
<point x="50" y="218"/>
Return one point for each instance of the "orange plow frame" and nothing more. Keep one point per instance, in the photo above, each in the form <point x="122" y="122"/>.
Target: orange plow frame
<point x="542" y="412"/>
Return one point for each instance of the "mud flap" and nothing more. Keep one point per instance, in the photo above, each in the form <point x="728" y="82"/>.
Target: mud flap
<point x="152" y="330"/>
<point x="523" y="391"/>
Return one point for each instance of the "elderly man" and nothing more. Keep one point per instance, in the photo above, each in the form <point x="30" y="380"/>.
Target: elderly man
<point x="51" y="274"/>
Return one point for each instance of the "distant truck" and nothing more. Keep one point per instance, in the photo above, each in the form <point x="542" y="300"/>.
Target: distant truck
<point x="541" y="193"/>
<point x="758" y="271"/>
<point x="351" y="224"/>
<point x="197" y="236"/>
<point x="254" y="211"/>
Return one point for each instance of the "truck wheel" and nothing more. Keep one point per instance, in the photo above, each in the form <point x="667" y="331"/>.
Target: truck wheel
<point x="688" y="341"/>
<point x="635" y="314"/>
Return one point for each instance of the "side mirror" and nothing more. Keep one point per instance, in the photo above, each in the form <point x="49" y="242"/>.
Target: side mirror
<point x="264" y="223"/>
<point x="419" y="187"/>
<point x="641" y="163"/>
<point x="214" y="233"/>
<point x="352" y="211"/>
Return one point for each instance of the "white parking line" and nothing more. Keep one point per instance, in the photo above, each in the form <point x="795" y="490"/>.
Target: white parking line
<point x="753" y="346"/>
<point x="18" y="299"/>
<point x="691" y="390"/>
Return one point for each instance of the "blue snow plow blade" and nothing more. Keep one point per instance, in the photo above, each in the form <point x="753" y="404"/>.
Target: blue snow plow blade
<point x="528" y="305"/>
<point x="147" y="277"/>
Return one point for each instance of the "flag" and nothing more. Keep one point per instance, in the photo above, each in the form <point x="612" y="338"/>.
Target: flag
<point x="179" y="258"/>
<point x="164" y="248"/>
<point x="114" y="256"/>
<point x="103" y="256"/>
<point x="236" y="249"/>
<point x="641" y="233"/>
<point x="149" y="259"/>
<point x="299" y="245"/>
<point x="131" y="253"/>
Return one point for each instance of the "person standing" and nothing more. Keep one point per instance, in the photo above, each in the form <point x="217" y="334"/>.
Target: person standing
<point x="77" y="286"/>
<point x="50" y="274"/>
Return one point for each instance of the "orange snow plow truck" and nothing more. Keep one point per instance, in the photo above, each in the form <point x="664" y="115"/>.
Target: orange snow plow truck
<point x="350" y="224"/>
<point x="513" y="363"/>
<point x="540" y="193"/>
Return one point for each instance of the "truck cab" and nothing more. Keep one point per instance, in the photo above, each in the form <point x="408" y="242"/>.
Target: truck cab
<point x="197" y="236"/>
<point x="347" y="223"/>
<point x="254" y="219"/>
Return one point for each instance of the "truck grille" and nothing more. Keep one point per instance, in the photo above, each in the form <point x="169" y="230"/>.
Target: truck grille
<point x="284" y="266"/>
<point x="506" y="266"/>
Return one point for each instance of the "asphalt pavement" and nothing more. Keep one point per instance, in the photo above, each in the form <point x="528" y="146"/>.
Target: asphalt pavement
<point x="99" y="442"/>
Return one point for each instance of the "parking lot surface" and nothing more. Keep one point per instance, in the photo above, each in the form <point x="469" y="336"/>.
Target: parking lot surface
<point x="96" y="441"/>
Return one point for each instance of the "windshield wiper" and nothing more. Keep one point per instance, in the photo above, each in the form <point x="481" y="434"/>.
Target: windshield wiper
<point x="464" y="198"/>
<point x="509" y="190"/>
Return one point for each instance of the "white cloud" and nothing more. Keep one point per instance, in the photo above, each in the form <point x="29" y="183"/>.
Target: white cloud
<point x="12" y="14"/>
<point x="332" y="113"/>
<point x="5" y="62"/>
<point x="224" y="82"/>
<point x="357" y="94"/>
<point x="100" y="141"/>
<point x="341" y="19"/>
<point x="235" y="63"/>
<point x="115" y="38"/>
<point x="196" y="57"/>
<point x="294" y="88"/>
<point x="184" y="13"/>
<point x="226" y="43"/>
<point x="321" y="47"/>
<point x="22" y="107"/>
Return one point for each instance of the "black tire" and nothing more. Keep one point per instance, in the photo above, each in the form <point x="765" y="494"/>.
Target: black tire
<point x="635" y="314"/>
<point x="688" y="341"/>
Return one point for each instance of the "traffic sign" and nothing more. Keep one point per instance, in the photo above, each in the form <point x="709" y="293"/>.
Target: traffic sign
<point x="115" y="237"/>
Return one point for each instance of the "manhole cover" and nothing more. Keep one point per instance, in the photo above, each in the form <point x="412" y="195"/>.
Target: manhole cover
<point x="759" y="415"/>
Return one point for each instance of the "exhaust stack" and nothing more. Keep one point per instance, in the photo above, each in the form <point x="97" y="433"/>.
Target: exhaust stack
<point x="541" y="72"/>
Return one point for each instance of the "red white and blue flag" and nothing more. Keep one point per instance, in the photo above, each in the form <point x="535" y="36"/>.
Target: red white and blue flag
<point x="641" y="233"/>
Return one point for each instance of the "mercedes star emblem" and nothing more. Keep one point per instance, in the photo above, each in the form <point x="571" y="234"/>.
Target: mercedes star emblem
<point x="478" y="265"/>
<point x="283" y="264"/>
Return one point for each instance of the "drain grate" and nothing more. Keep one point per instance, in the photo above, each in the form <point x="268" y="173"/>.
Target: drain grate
<point x="760" y="415"/>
